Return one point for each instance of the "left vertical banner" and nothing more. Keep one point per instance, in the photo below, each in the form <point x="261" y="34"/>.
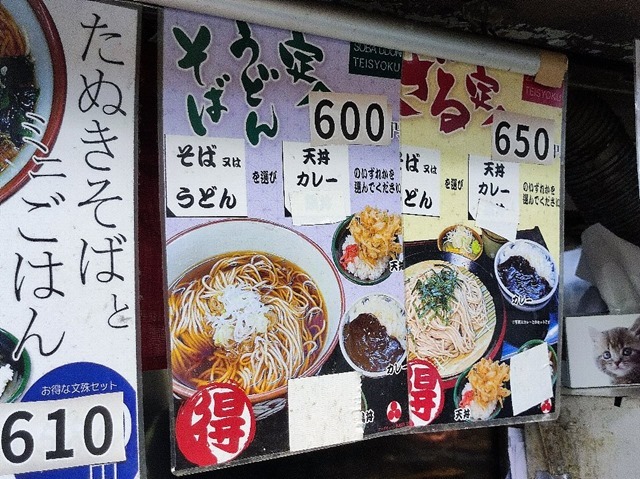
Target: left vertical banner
<point x="68" y="321"/>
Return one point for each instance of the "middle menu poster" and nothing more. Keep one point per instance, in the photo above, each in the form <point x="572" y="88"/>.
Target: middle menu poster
<point x="283" y="240"/>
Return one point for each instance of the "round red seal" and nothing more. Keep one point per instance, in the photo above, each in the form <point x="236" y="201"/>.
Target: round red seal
<point x="546" y="406"/>
<point x="426" y="397"/>
<point x="215" y="425"/>
<point x="394" y="411"/>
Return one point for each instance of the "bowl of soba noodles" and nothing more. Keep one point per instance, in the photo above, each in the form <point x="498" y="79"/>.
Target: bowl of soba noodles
<point x="32" y="90"/>
<point x="251" y="303"/>
<point x="455" y="314"/>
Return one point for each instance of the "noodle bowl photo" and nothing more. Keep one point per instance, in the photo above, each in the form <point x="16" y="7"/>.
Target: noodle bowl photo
<point x="32" y="68"/>
<point x="251" y="303"/>
<point x="451" y="316"/>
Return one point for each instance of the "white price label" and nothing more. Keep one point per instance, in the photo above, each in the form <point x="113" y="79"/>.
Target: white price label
<point x="349" y="119"/>
<point x="39" y="436"/>
<point x="523" y="139"/>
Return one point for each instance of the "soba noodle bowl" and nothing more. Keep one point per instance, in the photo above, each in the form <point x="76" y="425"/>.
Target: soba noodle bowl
<point x="246" y="317"/>
<point x="18" y="90"/>
<point x="446" y="310"/>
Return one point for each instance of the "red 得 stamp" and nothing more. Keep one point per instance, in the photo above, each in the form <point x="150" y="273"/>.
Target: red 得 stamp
<point x="425" y="392"/>
<point x="215" y="425"/>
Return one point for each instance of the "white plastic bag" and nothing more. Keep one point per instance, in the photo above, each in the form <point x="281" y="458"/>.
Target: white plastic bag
<point x="612" y="265"/>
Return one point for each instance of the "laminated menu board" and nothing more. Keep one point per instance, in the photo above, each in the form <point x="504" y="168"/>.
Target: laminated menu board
<point x="481" y="158"/>
<point x="283" y="240"/>
<point x="68" y="335"/>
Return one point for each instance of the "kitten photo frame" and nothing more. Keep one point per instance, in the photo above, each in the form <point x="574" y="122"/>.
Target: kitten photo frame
<point x="602" y="351"/>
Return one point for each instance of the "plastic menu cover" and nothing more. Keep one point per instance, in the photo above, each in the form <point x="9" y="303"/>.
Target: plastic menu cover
<point x="68" y="333"/>
<point x="482" y="203"/>
<point x="283" y="230"/>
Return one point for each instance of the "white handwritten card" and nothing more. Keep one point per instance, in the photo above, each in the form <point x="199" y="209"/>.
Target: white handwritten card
<point x="311" y="174"/>
<point x="205" y="177"/>
<point x="421" y="178"/>
<point x="496" y="182"/>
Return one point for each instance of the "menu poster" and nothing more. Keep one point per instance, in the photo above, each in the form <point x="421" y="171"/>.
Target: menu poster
<point x="284" y="241"/>
<point x="481" y="197"/>
<point x="68" y="333"/>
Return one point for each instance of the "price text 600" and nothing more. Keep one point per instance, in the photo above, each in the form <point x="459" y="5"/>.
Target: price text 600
<point x="349" y="118"/>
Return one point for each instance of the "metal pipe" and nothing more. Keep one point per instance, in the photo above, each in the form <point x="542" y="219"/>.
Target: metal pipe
<point x="356" y="26"/>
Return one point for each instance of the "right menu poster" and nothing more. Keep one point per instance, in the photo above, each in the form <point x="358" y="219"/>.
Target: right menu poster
<point x="481" y="192"/>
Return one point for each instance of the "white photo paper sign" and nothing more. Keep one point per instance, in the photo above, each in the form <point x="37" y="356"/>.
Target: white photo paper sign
<point x="68" y="322"/>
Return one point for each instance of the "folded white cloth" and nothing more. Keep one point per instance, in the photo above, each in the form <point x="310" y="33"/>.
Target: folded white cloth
<point x="612" y="265"/>
<point x="517" y="454"/>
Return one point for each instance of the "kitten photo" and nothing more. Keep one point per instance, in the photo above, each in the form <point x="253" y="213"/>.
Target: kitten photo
<point x="617" y="353"/>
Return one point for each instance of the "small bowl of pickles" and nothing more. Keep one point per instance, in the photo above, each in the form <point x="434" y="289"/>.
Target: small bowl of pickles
<point x="462" y="240"/>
